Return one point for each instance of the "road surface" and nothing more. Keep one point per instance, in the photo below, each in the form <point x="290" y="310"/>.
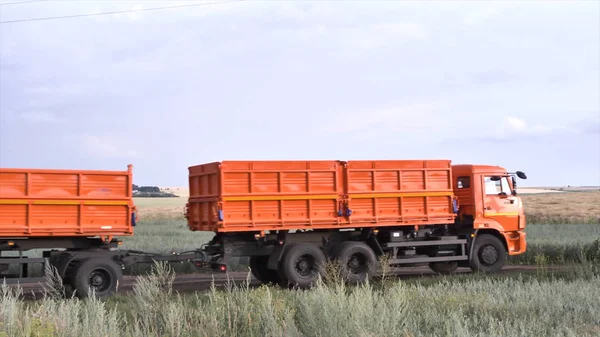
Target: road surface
<point x="203" y="281"/>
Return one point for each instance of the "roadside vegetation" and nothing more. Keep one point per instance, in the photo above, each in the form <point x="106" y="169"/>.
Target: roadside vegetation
<point x="539" y="305"/>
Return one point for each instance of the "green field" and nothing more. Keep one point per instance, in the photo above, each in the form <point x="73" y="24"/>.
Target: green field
<point x="555" y="243"/>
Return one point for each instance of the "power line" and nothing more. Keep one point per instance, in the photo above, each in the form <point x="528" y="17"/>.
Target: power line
<point x="118" y="12"/>
<point x="21" y="2"/>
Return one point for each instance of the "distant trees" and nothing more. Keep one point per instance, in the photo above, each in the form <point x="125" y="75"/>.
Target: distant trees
<point x="150" y="192"/>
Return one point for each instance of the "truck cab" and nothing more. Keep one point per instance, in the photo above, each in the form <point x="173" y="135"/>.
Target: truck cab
<point x="489" y="203"/>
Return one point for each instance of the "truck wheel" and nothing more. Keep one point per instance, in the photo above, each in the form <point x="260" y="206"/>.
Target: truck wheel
<point x="357" y="260"/>
<point x="489" y="254"/>
<point x="301" y="265"/>
<point x="95" y="274"/>
<point x="258" y="266"/>
<point x="443" y="268"/>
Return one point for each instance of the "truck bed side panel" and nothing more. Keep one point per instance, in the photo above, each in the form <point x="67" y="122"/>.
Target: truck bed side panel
<point x="236" y="196"/>
<point x="400" y="191"/>
<point x="263" y="195"/>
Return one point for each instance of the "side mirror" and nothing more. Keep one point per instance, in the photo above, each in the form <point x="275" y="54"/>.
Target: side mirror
<point x="495" y="178"/>
<point x="521" y="175"/>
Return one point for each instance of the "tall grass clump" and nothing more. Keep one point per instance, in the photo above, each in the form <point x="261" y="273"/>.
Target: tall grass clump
<point x="55" y="316"/>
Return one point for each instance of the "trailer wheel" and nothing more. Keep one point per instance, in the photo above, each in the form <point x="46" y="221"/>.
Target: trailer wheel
<point x="443" y="268"/>
<point x="301" y="265"/>
<point x="258" y="266"/>
<point x="357" y="260"/>
<point x="489" y="254"/>
<point x="96" y="275"/>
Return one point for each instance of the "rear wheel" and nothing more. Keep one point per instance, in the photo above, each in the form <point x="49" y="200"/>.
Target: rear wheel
<point x="258" y="266"/>
<point x="357" y="260"/>
<point x="489" y="254"/>
<point x="301" y="265"/>
<point x="95" y="276"/>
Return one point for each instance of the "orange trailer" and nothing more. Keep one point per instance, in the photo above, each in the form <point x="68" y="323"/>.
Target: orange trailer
<point x="288" y="217"/>
<point x="75" y="217"/>
<point x="51" y="203"/>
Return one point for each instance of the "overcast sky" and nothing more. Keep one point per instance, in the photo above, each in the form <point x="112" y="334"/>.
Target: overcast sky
<point x="510" y="84"/>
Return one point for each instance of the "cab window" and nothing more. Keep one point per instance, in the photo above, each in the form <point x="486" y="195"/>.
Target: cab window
<point x="464" y="182"/>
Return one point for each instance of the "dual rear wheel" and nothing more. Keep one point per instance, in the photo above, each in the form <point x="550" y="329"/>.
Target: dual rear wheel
<point x="302" y="263"/>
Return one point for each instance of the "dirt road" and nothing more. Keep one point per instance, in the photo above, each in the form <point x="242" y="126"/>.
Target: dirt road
<point x="203" y="281"/>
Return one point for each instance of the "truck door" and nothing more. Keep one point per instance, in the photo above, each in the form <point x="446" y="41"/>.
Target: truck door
<point x="499" y="204"/>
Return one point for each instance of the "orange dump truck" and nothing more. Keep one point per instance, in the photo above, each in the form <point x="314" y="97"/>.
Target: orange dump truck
<point x="288" y="217"/>
<point x="82" y="213"/>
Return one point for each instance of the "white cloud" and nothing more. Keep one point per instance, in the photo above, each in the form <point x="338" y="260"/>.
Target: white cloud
<point x="516" y="123"/>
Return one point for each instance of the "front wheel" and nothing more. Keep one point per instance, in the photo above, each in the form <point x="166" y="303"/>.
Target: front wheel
<point x="489" y="254"/>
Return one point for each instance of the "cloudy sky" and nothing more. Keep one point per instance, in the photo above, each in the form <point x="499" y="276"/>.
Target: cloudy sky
<point x="510" y="84"/>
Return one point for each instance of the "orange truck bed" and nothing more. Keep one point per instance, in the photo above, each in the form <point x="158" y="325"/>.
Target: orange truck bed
<point x="237" y="196"/>
<point x="40" y="202"/>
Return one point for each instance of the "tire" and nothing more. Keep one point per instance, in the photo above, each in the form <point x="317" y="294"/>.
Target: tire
<point x="301" y="265"/>
<point x="443" y="268"/>
<point x="357" y="261"/>
<point x="102" y="271"/>
<point x="489" y="254"/>
<point x="258" y="266"/>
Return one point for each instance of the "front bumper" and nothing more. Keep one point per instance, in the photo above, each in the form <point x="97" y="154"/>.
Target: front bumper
<point x="516" y="242"/>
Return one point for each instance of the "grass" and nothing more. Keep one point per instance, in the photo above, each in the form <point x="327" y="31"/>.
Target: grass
<point x="560" y="244"/>
<point x="544" y="305"/>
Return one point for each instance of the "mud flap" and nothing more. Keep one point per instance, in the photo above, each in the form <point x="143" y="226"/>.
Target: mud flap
<point x="273" y="263"/>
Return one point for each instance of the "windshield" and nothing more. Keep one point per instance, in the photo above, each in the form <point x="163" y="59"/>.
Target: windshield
<point x="496" y="186"/>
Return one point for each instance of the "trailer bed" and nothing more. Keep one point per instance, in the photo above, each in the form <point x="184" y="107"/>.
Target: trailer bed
<point x="65" y="203"/>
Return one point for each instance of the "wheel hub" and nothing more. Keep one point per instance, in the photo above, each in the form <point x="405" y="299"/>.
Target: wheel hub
<point x="304" y="265"/>
<point x="357" y="263"/>
<point x="489" y="255"/>
<point x="99" y="280"/>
